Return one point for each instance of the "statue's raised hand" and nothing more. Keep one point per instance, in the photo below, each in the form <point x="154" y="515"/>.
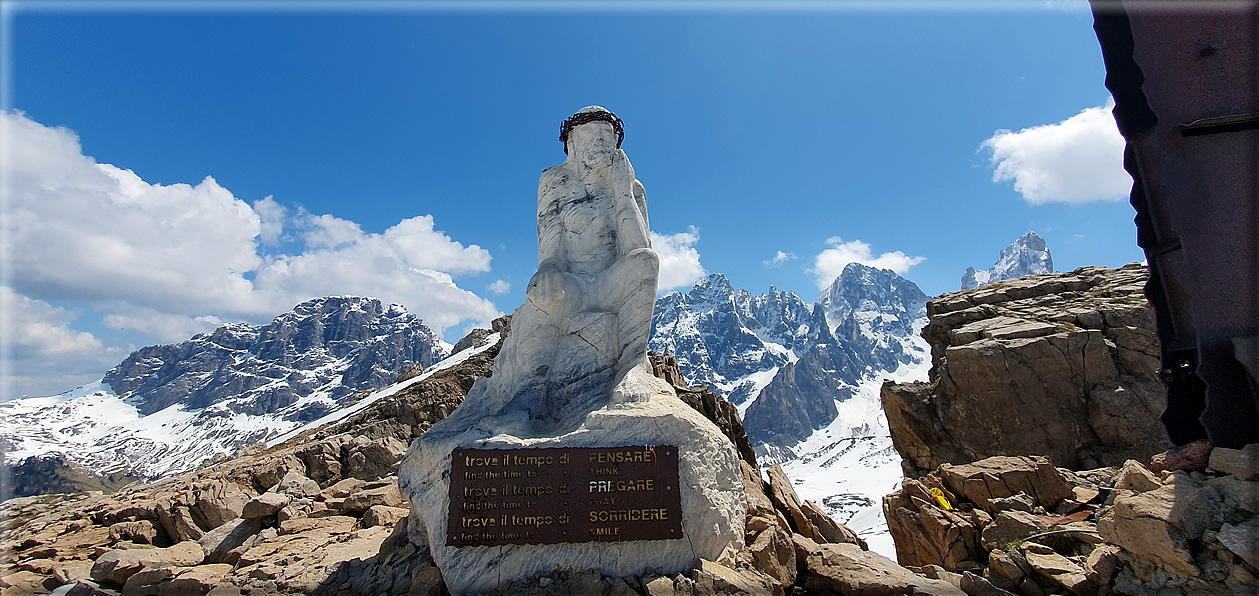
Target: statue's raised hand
<point x="631" y="216"/>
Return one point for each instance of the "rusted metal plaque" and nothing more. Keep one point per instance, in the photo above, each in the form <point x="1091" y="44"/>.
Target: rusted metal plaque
<point x="554" y="495"/>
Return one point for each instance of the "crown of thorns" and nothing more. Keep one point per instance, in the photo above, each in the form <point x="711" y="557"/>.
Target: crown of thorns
<point x="581" y="118"/>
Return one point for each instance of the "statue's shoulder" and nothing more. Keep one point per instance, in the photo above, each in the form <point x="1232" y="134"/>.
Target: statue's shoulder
<point x="555" y="175"/>
<point x="552" y="181"/>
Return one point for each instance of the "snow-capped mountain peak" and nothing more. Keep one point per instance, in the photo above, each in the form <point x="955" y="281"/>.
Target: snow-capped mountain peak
<point x="878" y="299"/>
<point x="169" y="408"/>
<point x="1029" y="255"/>
<point x="791" y="358"/>
<point x="864" y="325"/>
<point x="806" y="378"/>
<point x="722" y="337"/>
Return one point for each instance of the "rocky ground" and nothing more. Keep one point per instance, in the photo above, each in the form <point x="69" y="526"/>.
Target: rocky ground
<point x="1018" y="525"/>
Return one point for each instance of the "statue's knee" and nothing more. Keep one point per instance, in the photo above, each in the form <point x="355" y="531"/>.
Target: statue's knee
<point x="573" y="288"/>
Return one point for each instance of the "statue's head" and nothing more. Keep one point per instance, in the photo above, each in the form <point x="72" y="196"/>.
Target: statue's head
<point x="594" y="134"/>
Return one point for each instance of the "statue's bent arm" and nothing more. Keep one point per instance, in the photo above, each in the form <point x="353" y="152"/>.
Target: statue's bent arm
<point x="631" y="206"/>
<point x="640" y="198"/>
<point x="550" y="227"/>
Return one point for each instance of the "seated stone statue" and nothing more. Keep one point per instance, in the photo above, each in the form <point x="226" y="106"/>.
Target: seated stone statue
<point x="586" y="321"/>
<point x="573" y="373"/>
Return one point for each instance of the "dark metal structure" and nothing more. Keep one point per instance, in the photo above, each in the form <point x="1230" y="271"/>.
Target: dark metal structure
<point x="1185" y="78"/>
<point x="581" y="118"/>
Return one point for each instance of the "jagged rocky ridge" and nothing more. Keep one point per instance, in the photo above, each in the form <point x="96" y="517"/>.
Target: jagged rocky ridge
<point x="784" y="362"/>
<point x="870" y="316"/>
<point x="722" y="337"/>
<point x="169" y="408"/>
<point x="1029" y="255"/>
<point x="334" y="346"/>
<point x="320" y="513"/>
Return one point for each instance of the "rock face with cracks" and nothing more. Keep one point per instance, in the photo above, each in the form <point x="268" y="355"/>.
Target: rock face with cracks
<point x="574" y="373"/>
<point x="1071" y="355"/>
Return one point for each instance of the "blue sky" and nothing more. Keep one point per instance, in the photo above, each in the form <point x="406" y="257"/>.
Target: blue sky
<point x="395" y="152"/>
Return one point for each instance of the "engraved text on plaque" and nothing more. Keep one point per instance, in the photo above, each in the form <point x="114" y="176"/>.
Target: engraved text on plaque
<point x="553" y="495"/>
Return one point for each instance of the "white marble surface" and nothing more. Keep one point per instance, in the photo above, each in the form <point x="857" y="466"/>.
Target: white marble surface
<point x="573" y="373"/>
<point x="587" y="316"/>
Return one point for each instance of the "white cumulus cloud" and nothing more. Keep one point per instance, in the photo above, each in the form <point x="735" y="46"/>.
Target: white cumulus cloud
<point x="42" y="354"/>
<point x="831" y="262"/>
<point x="679" y="261"/>
<point x="79" y="230"/>
<point x="1074" y="161"/>
<point x="164" y="327"/>
<point x="499" y="287"/>
<point x="327" y="231"/>
<point x="172" y="259"/>
<point x="271" y="216"/>
<point x="410" y="263"/>
<point x="779" y="259"/>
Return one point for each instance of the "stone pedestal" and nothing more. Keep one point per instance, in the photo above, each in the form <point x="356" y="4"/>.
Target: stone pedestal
<point x="713" y="502"/>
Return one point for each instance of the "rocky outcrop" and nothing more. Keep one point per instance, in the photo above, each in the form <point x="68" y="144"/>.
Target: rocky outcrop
<point x="1070" y="358"/>
<point x="847" y="569"/>
<point x="1049" y="369"/>
<point x="53" y="473"/>
<point x="703" y="400"/>
<point x="1021" y="525"/>
<point x="478" y="336"/>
